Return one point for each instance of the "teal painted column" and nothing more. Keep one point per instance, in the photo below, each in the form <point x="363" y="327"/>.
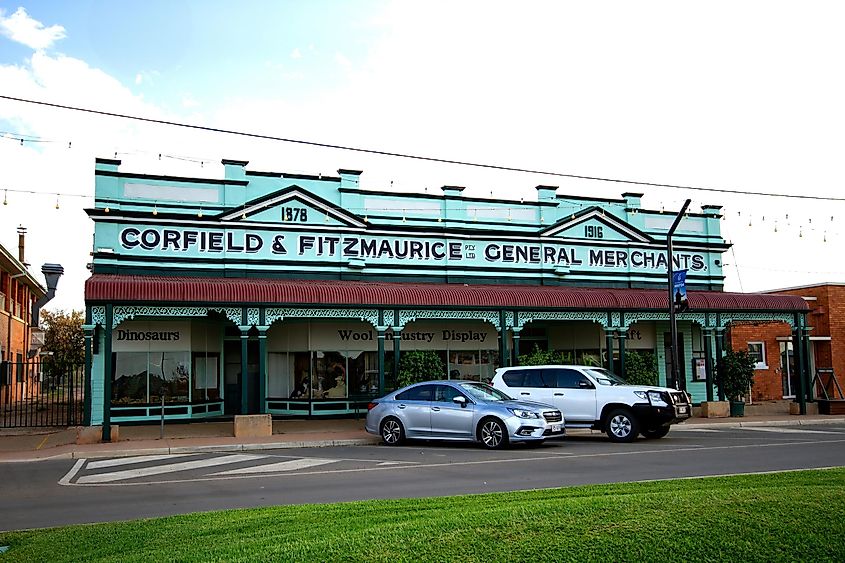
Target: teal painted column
<point x="720" y="340"/>
<point x="88" y="331"/>
<point x="708" y="362"/>
<point x="622" y="336"/>
<point x="244" y="367"/>
<point x="107" y="373"/>
<point x="380" y="362"/>
<point x="799" y="363"/>
<point x="505" y="355"/>
<point x="397" y="337"/>
<point x="608" y="338"/>
<point x="807" y="352"/>
<point x="516" y="331"/>
<point x="262" y="369"/>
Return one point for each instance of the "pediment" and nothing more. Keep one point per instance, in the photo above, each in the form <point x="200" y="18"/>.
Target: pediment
<point x="595" y="223"/>
<point x="292" y="205"/>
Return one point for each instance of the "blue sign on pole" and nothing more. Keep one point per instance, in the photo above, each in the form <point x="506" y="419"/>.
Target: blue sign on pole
<point x="679" y="290"/>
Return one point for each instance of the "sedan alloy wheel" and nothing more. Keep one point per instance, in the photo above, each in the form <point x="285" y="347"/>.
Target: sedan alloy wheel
<point x="493" y="434"/>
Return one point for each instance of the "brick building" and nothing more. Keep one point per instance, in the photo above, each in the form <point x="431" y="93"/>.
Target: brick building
<point x="773" y="344"/>
<point x="19" y="291"/>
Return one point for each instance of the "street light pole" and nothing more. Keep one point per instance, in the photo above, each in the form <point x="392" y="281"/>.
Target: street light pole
<point x="673" y="329"/>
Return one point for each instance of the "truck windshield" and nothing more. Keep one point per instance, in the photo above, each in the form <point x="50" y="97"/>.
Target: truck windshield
<point x="604" y="377"/>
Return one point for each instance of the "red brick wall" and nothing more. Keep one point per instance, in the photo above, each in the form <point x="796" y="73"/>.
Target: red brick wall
<point x="827" y="317"/>
<point x="768" y="385"/>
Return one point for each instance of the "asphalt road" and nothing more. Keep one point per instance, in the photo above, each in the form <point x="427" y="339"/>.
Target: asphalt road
<point x="60" y="492"/>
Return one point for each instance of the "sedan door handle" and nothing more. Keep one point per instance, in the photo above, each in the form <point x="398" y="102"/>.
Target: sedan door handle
<point x="525" y="393"/>
<point x="436" y="409"/>
<point x="558" y="394"/>
<point x="401" y="406"/>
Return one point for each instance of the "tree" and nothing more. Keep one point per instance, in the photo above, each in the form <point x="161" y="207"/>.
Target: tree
<point x="735" y="374"/>
<point x="419" y="365"/>
<point x="63" y="336"/>
<point x="641" y="367"/>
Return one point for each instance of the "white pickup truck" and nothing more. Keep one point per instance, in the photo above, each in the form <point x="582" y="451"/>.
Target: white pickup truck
<point x="595" y="398"/>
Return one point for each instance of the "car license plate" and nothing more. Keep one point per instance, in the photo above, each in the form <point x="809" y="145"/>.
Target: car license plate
<point x="555" y="427"/>
<point x="682" y="410"/>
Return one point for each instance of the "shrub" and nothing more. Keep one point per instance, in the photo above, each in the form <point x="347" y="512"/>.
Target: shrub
<point x="641" y="367"/>
<point x="539" y="357"/>
<point x="735" y="374"/>
<point x="419" y="365"/>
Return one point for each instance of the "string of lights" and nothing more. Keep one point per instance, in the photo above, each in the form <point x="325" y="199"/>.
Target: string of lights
<point x="248" y="134"/>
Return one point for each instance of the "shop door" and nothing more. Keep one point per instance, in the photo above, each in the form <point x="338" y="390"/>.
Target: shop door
<point x="232" y="377"/>
<point x="234" y="382"/>
<point x="682" y="362"/>
<point x="787" y="370"/>
<point x="253" y="388"/>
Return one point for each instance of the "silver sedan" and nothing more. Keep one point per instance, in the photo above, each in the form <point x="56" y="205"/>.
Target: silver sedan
<point x="461" y="410"/>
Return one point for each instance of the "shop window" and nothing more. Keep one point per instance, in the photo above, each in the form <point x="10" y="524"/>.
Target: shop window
<point x="473" y="365"/>
<point x="329" y="381"/>
<point x="144" y="377"/>
<point x="206" y="380"/>
<point x="131" y="379"/>
<point x="757" y="350"/>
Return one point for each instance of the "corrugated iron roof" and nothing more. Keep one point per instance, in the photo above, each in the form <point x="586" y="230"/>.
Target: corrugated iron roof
<point x="163" y="289"/>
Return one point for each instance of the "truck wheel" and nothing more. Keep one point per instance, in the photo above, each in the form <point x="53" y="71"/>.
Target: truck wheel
<point x="655" y="433"/>
<point x="621" y="426"/>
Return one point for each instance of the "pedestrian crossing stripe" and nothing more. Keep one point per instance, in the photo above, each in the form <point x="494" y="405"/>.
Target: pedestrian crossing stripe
<point x="290" y="465"/>
<point x="130" y="460"/>
<point x="167" y="468"/>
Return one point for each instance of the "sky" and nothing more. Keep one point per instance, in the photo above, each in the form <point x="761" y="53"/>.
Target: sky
<point x="738" y="96"/>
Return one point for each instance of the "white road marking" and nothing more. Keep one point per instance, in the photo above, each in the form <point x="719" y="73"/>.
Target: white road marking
<point x="131" y="460"/>
<point x="168" y="468"/>
<point x="476" y="462"/>
<point x="291" y="465"/>
<point x="779" y="430"/>
<point x="73" y="471"/>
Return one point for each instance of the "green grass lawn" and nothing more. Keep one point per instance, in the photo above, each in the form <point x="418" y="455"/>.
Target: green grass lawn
<point x="775" y="517"/>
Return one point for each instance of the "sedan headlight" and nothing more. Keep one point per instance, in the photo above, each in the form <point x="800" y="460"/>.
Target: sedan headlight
<point x="656" y="399"/>
<point x="642" y="395"/>
<point x="524" y="414"/>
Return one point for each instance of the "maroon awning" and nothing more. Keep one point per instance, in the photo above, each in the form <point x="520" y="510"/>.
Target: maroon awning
<point x="163" y="289"/>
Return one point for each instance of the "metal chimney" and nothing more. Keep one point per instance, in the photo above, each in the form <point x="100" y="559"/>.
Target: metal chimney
<point x="22" y="245"/>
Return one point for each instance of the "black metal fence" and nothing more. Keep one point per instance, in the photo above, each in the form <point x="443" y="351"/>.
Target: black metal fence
<point x="32" y="396"/>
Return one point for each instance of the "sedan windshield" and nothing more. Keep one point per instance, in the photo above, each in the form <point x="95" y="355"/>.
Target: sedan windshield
<point x="483" y="392"/>
<point x="604" y="377"/>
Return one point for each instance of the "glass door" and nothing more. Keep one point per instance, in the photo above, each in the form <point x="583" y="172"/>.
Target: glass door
<point x="787" y="370"/>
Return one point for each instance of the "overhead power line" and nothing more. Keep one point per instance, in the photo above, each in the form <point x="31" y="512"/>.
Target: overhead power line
<point x="409" y="156"/>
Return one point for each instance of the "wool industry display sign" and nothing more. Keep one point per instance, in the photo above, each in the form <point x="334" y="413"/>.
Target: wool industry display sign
<point x="385" y="250"/>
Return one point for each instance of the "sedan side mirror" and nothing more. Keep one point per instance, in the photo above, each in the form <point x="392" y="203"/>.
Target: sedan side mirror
<point x="461" y="400"/>
<point x="584" y="385"/>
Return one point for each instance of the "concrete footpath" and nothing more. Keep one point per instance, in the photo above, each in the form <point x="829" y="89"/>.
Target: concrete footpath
<point x="33" y="444"/>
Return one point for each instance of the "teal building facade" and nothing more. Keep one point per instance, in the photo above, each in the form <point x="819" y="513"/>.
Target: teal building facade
<point x="295" y="295"/>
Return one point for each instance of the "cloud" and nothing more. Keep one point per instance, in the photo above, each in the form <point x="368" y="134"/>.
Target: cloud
<point x="296" y="54"/>
<point x="189" y="102"/>
<point x="343" y="61"/>
<point x="22" y="28"/>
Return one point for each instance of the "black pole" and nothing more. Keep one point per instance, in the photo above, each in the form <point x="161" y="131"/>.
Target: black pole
<point x="672" y="325"/>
